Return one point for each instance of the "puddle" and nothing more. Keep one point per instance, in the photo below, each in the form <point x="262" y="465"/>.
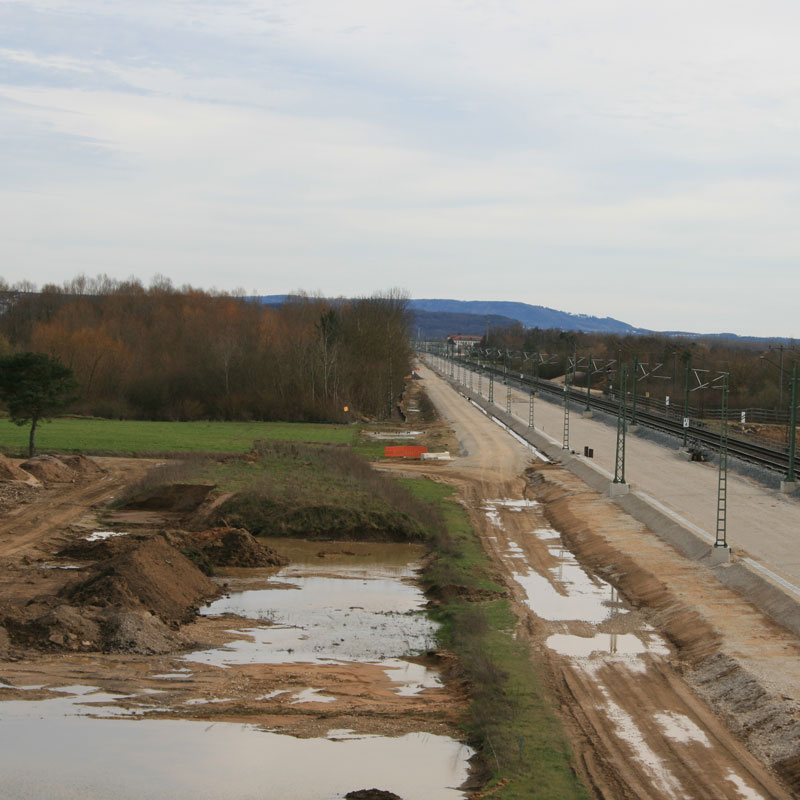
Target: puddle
<point x="187" y="760"/>
<point x="514" y="505"/>
<point x="98" y="536"/>
<point x="312" y="696"/>
<point x="623" y="644"/>
<point x="375" y="559"/>
<point x="588" y="599"/>
<point x="680" y="728"/>
<point x="493" y="515"/>
<point x="360" y="609"/>
<point x="744" y="790"/>
<point x="176" y="674"/>
<point x="414" y="678"/>
<point x="272" y="694"/>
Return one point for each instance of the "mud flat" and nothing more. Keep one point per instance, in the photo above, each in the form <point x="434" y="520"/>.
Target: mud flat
<point x="299" y="686"/>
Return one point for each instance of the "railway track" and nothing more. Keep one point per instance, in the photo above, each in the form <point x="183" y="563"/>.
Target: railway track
<point x="775" y="459"/>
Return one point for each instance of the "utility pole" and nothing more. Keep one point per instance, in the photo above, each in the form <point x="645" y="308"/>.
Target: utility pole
<point x="635" y="381"/>
<point x="491" y="381"/>
<point x="722" y="481"/>
<point x="686" y="401"/>
<point x="507" y="379"/>
<point x="565" y="435"/>
<point x="589" y="368"/>
<point x="790" y="483"/>
<point x="530" y="407"/>
<point x="619" y="461"/>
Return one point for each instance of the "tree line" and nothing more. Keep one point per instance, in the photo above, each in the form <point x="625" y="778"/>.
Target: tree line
<point x="753" y="365"/>
<point x="161" y="352"/>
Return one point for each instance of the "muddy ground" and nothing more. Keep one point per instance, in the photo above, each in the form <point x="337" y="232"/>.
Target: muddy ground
<point x="671" y="684"/>
<point x="119" y="613"/>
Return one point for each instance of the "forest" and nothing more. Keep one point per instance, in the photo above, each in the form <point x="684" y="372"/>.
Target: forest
<point x="754" y="367"/>
<point x="167" y="353"/>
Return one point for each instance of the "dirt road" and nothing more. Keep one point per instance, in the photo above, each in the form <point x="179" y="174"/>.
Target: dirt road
<point x="629" y="658"/>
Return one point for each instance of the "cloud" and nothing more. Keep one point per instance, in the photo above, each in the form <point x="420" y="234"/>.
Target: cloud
<point x="572" y="155"/>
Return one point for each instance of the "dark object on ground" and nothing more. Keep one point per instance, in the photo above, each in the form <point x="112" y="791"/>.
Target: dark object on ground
<point x="372" y="794"/>
<point x="179" y="497"/>
<point x="696" y="451"/>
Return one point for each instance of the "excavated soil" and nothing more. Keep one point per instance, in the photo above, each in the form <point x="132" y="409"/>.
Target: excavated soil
<point x="62" y="469"/>
<point x="118" y="613"/>
<point x="134" y="601"/>
<point x="10" y="471"/>
<point x="231" y="547"/>
<point x="175" y="498"/>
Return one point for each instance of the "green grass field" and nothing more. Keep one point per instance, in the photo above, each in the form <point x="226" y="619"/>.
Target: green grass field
<point x="134" y="437"/>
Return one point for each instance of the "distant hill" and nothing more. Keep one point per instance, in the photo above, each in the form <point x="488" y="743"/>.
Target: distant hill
<point x="530" y="316"/>
<point x="437" y="318"/>
<point x="440" y="324"/>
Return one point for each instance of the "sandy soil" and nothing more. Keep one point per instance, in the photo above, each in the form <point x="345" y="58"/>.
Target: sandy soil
<point x="712" y="676"/>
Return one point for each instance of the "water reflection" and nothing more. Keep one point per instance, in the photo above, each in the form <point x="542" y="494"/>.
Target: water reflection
<point x="103" y="758"/>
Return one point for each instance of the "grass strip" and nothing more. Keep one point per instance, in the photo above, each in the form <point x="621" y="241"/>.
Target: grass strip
<point x="511" y="718"/>
<point x="137" y="437"/>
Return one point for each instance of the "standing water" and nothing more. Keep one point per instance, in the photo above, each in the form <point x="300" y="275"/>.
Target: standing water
<point x="354" y="604"/>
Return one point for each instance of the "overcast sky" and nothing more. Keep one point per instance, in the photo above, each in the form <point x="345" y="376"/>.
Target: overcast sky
<point x="625" y="158"/>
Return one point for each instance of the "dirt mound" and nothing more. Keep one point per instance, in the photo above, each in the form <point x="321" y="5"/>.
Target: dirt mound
<point x="48" y="469"/>
<point x="60" y="626"/>
<point x="233" y="547"/>
<point x="178" y="497"/>
<point x="100" y="549"/>
<point x="49" y="622"/>
<point x="151" y="576"/>
<point x="81" y="465"/>
<point x="9" y="471"/>
<point x="138" y="632"/>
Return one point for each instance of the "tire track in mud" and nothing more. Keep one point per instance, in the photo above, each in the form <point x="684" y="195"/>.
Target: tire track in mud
<point x="37" y="522"/>
<point x="650" y="737"/>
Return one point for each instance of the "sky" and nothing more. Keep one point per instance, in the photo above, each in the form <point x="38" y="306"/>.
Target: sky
<point x="623" y="158"/>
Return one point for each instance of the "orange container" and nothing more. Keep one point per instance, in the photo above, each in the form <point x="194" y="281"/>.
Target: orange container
<point x="405" y="451"/>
